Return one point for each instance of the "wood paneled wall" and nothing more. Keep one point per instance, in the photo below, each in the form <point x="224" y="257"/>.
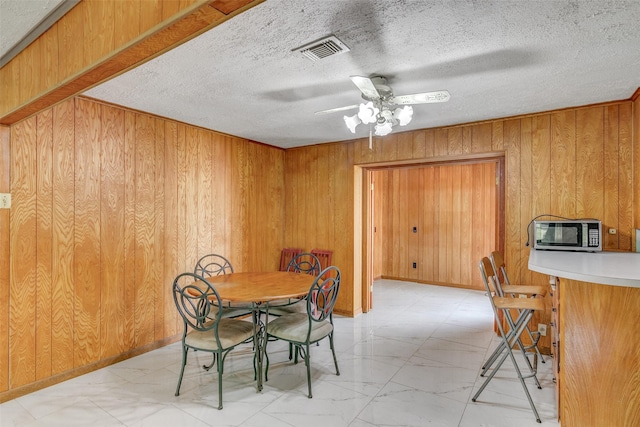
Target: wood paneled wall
<point x="636" y="160"/>
<point x="97" y="40"/>
<point x="109" y="205"/>
<point x="319" y="209"/>
<point x="574" y="162"/>
<point x="454" y="209"/>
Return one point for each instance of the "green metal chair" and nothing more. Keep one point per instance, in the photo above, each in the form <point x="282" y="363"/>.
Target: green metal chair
<point x="303" y="329"/>
<point x="205" y="329"/>
<point x="305" y="263"/>
<point x="215" y="265"/>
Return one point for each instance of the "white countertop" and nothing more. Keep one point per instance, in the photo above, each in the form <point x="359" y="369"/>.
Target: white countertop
<point x="606" y="268"/>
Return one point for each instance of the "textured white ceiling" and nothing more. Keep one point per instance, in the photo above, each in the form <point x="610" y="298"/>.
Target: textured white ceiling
<point x="497" y="58"/>
<point x="19" y="17"/>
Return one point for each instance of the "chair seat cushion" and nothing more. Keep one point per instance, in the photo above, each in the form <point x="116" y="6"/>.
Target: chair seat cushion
<point x="231" y="331"/>
<point x="236" y="311"/>
<point x="287" y="308"/>
<point x="294" y="327"/>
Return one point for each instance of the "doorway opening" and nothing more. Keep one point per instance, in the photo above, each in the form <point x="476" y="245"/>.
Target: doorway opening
<point x="429" y="222"/>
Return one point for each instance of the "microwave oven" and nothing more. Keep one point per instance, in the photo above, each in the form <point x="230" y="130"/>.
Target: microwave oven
<point x="568" y="235"/>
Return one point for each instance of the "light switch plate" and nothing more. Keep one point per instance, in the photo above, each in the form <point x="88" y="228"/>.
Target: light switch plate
<point x="5" y="200"/>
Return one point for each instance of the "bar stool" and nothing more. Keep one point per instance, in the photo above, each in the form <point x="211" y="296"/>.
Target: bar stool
<point x="505" y="288"/>
<point x="526" y="307"/>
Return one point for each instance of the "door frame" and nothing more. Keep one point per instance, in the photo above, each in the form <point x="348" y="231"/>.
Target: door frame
<point x="364" y="215"/>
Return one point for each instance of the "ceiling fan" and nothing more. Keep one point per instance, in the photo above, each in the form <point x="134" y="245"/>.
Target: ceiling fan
<point x="383" y="107"/>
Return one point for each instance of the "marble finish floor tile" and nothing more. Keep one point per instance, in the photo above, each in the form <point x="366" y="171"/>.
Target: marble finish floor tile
<point x="414" y="360"/>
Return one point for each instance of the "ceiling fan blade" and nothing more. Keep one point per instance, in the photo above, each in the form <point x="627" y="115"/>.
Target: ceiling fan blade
<point x="334" y="110"/>
<point x="366" y="86"/>
<point x="421" y="98"/>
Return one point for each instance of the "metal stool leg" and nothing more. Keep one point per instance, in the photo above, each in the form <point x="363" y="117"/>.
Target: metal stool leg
<point x="525" y="308"/>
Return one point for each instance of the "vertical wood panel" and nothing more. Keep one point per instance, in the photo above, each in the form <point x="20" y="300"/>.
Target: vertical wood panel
<point x="30" y="76"/>
<point x="481" y="141"/>
<point x="454" y="141"/>
<point x="70" y="30"/>
<point x="130" y="285"/>
<point x="526" y="195"/>
<point x="63" y="232"/>
<point x="170" y="244"/>
<point x="191" y="197"/>
<point x="466" y="139"/>
<point x="590" y="163"/>
<point x="22" y="289"/>
<point x="511" y="138"/>
<point x="218" y="194"/>
<point x="636" y="161"/>
<point x="87" y="233"/>
<point x="49" y="57"/>
<point x="44" y="233"/>
<point x="441" y="142"/>
<point x="127" y="21"/>
<point x="454" y="235"/>
<point x="182" y="197"/>
<point x="611" y="175"/>
<point x="388" y="147"/>
<point x="625" y="169"/>
<point x="419" y="144"/>
<point x="5" y="252"/>
<point x="467" y="178"/>
<point x="480" y="220"/>
<point x="405" y="145"/>
<point x="144" y="229"/>
<point x="446" y="224"/>
<point x="99" y="30"/>
<point x="428" y="259"/>
<point x="563" y="164"/>
<point x="497" y="141"/>
<point x="112" y="232"/>
<point x="324" y="237"/>
<point x="204" y="200"/>
<point x="10" y="83"/>
<point x="150" y="14"/>
<point x="160" y="290"/>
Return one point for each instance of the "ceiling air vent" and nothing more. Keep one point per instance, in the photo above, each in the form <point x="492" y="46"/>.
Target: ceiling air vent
<point x="320" y="49"/>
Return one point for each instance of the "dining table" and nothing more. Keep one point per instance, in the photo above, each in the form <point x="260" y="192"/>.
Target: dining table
<point x="259" y="289"/>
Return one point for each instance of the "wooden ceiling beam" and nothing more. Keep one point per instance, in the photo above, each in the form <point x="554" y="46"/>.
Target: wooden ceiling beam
<point x="60" y="63"/>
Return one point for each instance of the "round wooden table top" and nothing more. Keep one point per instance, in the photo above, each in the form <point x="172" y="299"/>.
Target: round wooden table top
<point x="261" y="287"/>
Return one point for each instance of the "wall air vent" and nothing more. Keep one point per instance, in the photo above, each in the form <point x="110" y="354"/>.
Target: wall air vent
<point x="322" y="48"/>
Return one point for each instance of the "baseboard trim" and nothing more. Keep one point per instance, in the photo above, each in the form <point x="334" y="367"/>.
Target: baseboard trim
<point x="81" y="370"/>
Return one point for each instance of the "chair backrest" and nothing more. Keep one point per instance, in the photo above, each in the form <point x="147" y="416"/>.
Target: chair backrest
<point x="305" y="263"/>
<point x="286" y="256"/>
<point x="488" y="275"/>
<point x="197" y="301"/>
<point x="324" y="256"/>
<point x="323" y="294"/>
<point x="213" y="265"/>
<point x="500" y="272"/>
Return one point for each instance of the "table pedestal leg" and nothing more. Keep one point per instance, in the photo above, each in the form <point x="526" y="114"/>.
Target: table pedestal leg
<point x="260" y="341"/>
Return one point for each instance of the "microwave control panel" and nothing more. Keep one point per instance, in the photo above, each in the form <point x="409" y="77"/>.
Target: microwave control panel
<point x="594" y="237"/>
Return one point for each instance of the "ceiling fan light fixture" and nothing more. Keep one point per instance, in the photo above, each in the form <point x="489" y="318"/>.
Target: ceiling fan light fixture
<point x="368" y="113"/>
<point x="386" y="116"/>
<point x="352" y="122"/>
<point x="383" y="129"/>
<point x="403" y="115"/>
